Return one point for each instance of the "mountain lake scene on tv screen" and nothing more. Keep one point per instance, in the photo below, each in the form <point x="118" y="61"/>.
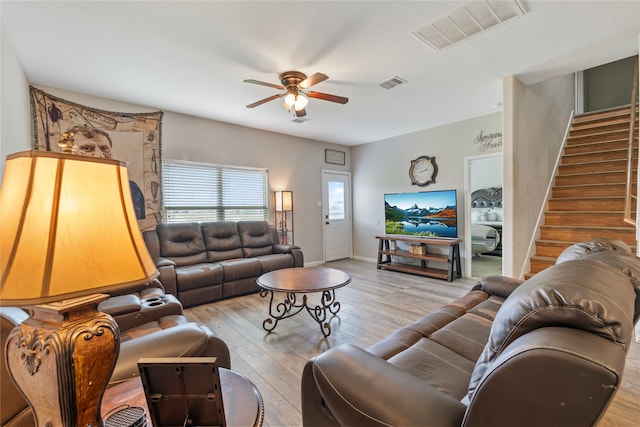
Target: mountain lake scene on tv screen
<point x="429" y="214"/>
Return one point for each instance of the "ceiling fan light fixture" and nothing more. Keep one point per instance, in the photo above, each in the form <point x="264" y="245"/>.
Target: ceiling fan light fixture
<point x="289" y="100"/>
<point x="300" y="103"/>
<point x="296" y="84"/>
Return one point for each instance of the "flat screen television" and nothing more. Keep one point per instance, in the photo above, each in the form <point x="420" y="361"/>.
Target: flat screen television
<point x="425" y="213"/>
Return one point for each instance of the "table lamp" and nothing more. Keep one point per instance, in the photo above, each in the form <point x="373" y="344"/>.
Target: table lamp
<point x="68" y="236"/>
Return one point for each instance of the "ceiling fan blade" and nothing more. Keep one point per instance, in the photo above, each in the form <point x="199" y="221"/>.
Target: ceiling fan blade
<point x="328" y="97"/>
<point x="313" y="80"/>
<point x="262" y="101"/>
<point x="258" y="82"/>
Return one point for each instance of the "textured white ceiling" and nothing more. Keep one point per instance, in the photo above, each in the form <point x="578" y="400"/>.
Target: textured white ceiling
<point x="192" y="57"/>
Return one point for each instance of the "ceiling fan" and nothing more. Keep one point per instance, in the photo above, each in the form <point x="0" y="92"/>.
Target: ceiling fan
<point x="296" y="85"/>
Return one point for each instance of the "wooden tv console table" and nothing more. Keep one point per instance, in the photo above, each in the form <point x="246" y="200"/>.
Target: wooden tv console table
<point x="452" y="258"/>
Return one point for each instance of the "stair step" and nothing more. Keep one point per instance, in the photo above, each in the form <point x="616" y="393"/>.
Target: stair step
<point x="615" y="203"/>
<point x="596" y="156"/>
<point x="619" y="120"/>
<point x="539" y="263"/>
<point x="588" y="190"/>
<point x="610" y="126"/>
<point x="551" y="248"/>
<point x="618" y="177"/>
<point x="579" y="234"/>
<point x="597" y="137"/>
<point x="603" y="166"/>
<point x="607" y="114"/>
<point x="618" y="144"/>
<point x="585" y="218"/>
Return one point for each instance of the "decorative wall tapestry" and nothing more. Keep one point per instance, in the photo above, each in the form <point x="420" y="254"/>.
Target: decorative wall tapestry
<point x="132" y="137"/>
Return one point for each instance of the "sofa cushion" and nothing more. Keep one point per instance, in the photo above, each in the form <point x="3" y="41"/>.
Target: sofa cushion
<point x="222" y="240"/>
<point x="275" y="262"/>
<point x="199" y="276"/>
<point x="560" y="297"/>
<point x="256" y="238"/>
<point x="182" y="243"/>
<point x="241" y="268"/>
<point x="437" y="365"/>
<point x="468" y="335"/>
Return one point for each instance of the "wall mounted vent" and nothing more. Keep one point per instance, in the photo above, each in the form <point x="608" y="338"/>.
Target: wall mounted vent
<point x="393" y="82"/>
<point x="466" y="21"/>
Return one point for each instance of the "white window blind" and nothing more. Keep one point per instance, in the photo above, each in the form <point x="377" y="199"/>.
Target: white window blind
<point x="206" y="192"/>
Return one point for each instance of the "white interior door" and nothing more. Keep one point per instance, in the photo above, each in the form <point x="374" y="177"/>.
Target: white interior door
<point x="336" y="214"/>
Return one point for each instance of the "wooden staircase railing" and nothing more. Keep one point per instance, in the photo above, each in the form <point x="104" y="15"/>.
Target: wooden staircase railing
<point x="631" y="198"/>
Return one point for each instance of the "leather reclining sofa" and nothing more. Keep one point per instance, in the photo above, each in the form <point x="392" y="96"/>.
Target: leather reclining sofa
<point x="549" y="351"/>
<point x="209" y="261"/>
<point x="151" y="324"/>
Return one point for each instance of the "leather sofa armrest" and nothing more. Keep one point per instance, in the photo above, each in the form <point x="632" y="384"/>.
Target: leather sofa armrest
<point x="167" y="270"/>
<point x="153" y="290"/>
<point x="360" y="389"/>
<point x="282" y="249"/>
<point x="501" y="286"/>
<point x="163" y="262"/>
<point x="119" y="305"/>
<point x="542" y="368"/>
<point x="298" y="257"/>
<point x="182" y="340"/>
<point x="294" y="250"/>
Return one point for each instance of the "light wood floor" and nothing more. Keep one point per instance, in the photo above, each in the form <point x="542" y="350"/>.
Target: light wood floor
<point x="375" y="303"/>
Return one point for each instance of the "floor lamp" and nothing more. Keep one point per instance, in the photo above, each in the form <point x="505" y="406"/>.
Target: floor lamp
<point x="283" y="207"/>
<point x="68" y="236"/>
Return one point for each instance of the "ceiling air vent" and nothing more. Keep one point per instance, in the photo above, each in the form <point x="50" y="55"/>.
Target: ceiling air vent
<point x="300" y="119"/>
<point x="466" y="21"/>
<point x="393" y="82"/>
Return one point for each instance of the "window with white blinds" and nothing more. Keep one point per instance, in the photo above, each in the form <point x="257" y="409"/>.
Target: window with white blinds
<point x="207" y="192"/>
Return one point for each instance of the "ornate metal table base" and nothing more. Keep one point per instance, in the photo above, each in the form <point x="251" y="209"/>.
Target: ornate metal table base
<point x="290" y="307"/>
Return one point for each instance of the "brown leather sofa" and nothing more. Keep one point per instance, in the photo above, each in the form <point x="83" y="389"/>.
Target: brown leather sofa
<point x="151" y="325"/>
<point x="209" y="261"/>
<point x="549" y="351"/>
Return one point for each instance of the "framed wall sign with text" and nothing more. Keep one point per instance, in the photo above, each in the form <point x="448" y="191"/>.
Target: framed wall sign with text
<point x="334" y="157"/>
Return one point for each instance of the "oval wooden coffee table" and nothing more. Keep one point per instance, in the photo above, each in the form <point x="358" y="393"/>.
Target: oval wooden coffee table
<point x="300" y="280"/>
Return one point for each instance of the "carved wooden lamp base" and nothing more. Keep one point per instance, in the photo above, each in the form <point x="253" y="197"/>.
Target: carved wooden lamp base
<point x="62" y="357"/>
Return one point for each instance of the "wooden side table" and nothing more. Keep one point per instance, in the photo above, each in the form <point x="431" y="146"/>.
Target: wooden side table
<point x="243" y="405"/>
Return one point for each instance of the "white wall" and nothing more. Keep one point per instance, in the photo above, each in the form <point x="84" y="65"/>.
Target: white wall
<point x="383" y="167"/>
<point x="535" y="121"/>
<point x="15" y="134"/>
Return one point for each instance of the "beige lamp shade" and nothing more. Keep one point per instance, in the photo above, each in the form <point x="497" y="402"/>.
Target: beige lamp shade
<point x="284" y="201"/>
<point x="68" y="229"/>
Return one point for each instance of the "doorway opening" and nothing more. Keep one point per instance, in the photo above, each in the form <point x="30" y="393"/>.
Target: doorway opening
<point x="483" y="219"/>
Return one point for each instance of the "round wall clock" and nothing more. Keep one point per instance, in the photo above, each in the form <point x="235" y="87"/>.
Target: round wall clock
<point x="423" y="171"/>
